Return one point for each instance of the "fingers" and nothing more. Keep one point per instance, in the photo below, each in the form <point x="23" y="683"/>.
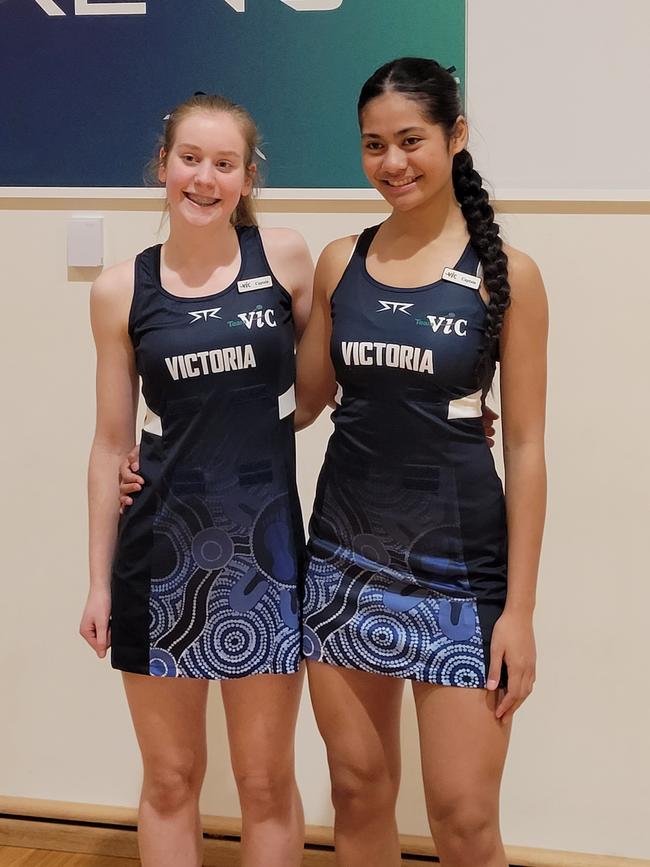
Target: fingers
<point x="488" y="417"/>
<point x="127" y="477"/>
<point x="130" y="483"/>
<point x="520" y="686"/>
<point x="496" y="664"/>
<point x="130" y="466"/>
<point x="101" y="642"/>
<point x="87" y="632"/>
<point x="129" y="487"/>
<point x="506" y="706"/>
<point x="91" y="634"/>
<point x="97" y="633"/>
<point x="489" y="429"/>
<point x="125" y="499"/>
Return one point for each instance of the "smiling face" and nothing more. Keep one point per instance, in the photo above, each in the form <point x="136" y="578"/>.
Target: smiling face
<point x="206" y="170"/>
<point x="405" y="156"/>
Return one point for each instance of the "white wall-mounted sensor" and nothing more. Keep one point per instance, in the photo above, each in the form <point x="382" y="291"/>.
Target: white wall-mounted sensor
<point x="85" y="242"/>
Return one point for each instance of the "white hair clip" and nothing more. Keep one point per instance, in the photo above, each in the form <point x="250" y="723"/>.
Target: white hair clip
<point x="260" y="154"/>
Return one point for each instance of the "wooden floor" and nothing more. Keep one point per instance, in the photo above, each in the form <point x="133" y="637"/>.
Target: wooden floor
<point x="61" y="834"/>
<point x="13" y="857"/>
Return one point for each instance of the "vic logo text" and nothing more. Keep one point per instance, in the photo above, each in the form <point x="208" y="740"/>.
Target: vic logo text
<point x="447" y="325"/>
<point x="259" y="318"/>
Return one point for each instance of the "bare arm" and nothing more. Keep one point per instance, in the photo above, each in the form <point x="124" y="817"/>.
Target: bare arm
<point x="291" y="261"/>
<point x="316" y="381"/>
<point x="523" y="402"/>
<point x="117" y="395"/>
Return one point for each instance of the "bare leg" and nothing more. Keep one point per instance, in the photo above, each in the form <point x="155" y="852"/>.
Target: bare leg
<point x="463" y="748"/>
<point x="169" y="719"/>
<point x="261" y="713"/>
<point x="358" y="715"/>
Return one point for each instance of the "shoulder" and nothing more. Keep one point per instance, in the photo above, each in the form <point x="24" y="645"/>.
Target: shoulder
<point x="114" y="280"/>
<point x="283" y="242"/>
<point x="524" y="276"/>
<point x="338" y="251"/>
<point x="289" y="257"/>
<point x="112" y="292"/>
<point x="333" y="261"/>
<point x="529" y="305"/>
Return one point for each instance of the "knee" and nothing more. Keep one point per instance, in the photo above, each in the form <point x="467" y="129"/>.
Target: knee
<point x="359" y="788"/>
<point x="466" y="830"/>
<point x="265" y="794"/>
<point x="170" y="786"/>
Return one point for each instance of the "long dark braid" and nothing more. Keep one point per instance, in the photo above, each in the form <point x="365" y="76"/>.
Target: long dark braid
<point x="484" y="234"/>
<point x="437" y="92"/>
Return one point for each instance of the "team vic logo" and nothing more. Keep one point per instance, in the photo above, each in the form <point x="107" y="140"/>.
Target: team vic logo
<point x="204" y="315"/>
<point x="448" y="325"/>
<point x="257" y="318"/>
<point x="395" y="307"/>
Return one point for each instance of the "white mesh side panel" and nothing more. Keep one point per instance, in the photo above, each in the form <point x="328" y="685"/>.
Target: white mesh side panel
<point x="466" y="407"/>
<point x="152" y="423"/>
<point x="287" y="402"/>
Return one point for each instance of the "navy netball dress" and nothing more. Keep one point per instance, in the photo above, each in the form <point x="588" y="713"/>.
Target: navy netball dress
<point x="407" y="552"/>
<point x="205" y="575"/>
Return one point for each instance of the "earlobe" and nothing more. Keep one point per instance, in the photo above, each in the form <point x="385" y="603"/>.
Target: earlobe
<point x="251" y="172"/>
<point x="460" y="135"/>
<point x="162" y="169"/>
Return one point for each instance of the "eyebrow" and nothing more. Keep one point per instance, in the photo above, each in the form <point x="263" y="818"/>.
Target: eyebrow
<point x="193" y="147"/>
<point x="399" y="132"/>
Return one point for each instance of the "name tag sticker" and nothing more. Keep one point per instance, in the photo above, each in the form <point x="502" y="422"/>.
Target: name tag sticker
<point x="254" y="283"/>
<point x="461" y="278"/>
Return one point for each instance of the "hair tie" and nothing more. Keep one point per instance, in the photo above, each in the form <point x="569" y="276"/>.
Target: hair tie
<point x="196" y="93"/>
<point x="451" y="70"/>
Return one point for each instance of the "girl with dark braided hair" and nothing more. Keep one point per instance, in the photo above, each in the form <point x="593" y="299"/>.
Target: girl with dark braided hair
<point x="411" y="572"/>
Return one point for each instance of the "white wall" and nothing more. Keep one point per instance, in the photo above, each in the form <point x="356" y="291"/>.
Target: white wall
<point x="557" y="95"/>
